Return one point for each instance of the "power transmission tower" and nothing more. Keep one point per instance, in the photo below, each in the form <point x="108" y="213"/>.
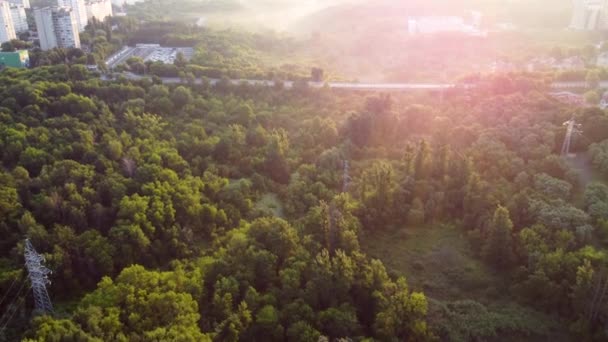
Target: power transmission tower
<point x="334" y="217"/>
<point x="345" y="177"/>
<point x="571" y="128"/>
<point x="38" y="277"/>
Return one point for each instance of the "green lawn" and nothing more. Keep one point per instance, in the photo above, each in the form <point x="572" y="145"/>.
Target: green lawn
<point x="271" y="202"/>
<point x="437" y="260"/>
<point x="586" y="174"/>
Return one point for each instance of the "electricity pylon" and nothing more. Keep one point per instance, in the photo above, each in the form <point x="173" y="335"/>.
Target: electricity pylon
<point x="38" y="277"/>
<point x="345" y="177"/>
<point x="571" y="128"/>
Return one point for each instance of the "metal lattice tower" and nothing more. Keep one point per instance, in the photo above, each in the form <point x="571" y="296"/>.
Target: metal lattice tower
<point x="571" y="128"/>
<point x="345" y="177"/>
<point x="38" y="277"/>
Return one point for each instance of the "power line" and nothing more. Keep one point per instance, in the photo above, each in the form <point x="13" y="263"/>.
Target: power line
<point x="12" y="308"/>
<point x="22" y="300"/>
<point x="8" y="291"/>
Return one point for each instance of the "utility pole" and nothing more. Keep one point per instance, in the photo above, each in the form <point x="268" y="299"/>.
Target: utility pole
<point x="38" y="277"/>
<point x="571" y="128"/>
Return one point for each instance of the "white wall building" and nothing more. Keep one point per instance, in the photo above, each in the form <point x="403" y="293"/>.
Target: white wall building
<point x="66" y="28"/>
<point x="120" y="3"/>
<point x="99" y="9"/>
<point x="79" y="10"/>
<point x="589" y="15"/>
<point x="57" y="27"/>
<point x="440" y="24"/>
<point x="24" y="3"/>
<point x="7" y="28"/>
<point x="602" y="60"/>
<point x="45" y="28"/>
<point x="19" y="18"/>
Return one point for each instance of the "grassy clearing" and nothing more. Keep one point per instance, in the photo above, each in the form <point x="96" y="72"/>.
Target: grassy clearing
<point x="271" y="202"/>
<point x="436" y="259"/>
<point x="467" y="300"/>
<point x="586" y="174"/>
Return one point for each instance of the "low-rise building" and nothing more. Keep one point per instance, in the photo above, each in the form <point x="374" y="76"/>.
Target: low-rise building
<point x="121" y="3"/>
<point x="569" y="98"/>
<point x="502" y="66"/>
<point x="17" y="59"/>
<point x="571" y="63"/>
<point x="551" y="63"/>
<point x="441" y="24"/>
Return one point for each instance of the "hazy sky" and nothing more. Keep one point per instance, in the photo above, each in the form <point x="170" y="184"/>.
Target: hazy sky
<point x="281" y="14"/>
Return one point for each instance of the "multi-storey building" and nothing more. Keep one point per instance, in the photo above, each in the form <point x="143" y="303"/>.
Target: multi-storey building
<point x="589" y="15"/>
<point x="24" y="3"/>
<point x="19" y="18"/>
<point x="57" y="27"/>
<point x="99" y="9"/>
<point x="79" y="10"/>
<point x="7" y="28"/>
<point x="120" y="3"/>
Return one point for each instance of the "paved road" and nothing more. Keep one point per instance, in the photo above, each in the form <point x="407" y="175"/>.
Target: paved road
<point x="357" y="86"/>
<point x="579" y="85"/>
<point x="290" y="84"/>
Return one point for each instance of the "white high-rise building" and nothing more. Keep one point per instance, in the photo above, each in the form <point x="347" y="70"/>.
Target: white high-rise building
<point x="24" y="3"/>
<point x="45" y="28"/>
<point x="19" y="18"/>
<point x="79" y="10"/>
<point x="99" y="9"/>
<point x="589" y="15"/>
<point x="7" y="28"/>
<point x="57" y="27"/>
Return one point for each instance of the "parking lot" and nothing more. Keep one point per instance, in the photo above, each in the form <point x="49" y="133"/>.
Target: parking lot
<point x="149" y="52"/>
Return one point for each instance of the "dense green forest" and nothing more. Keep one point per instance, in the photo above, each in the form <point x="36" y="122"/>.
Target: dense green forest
<point x="191" y="213"/>
<point x="218" y="53"/>
<point x="373" y="34"/>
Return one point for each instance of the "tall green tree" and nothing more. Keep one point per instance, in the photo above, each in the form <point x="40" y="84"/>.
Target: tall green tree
<point x="498" y="247"/>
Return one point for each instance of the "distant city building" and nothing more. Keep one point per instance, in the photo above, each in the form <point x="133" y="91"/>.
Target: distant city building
<point x="569" y="98"/>
<point x="441" y="24"/>
<point x="602" y="59"/>
<point x="551" y="63"/>
<point x="79" y="9"/>
<point x="24" y="3"/>
<point x="17" y="59"/>
<point x="120" y="3"/>
<point x="571" y="63"/>
<point x="57" y="27"/>
<point x="502" y="66"/>
<point x="589" y="15"/>
<point x="19" y="18"/>
<point x="604" y="101"/>
<point x="7" y="28"/>
<point x="99" y="9"/>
